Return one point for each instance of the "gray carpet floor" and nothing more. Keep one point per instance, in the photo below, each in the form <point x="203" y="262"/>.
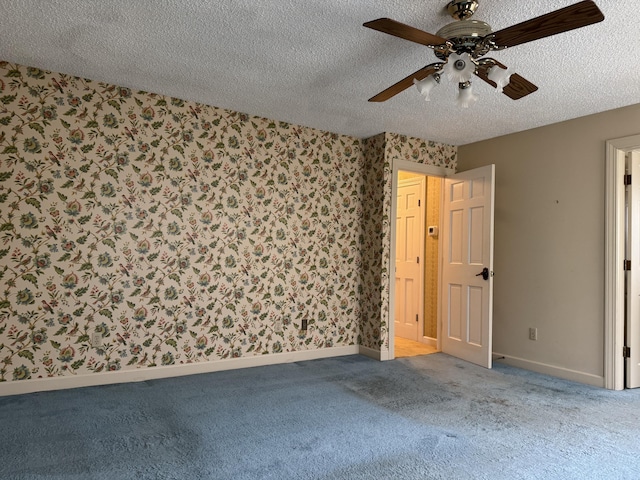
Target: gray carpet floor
<point x="432" y="417"/>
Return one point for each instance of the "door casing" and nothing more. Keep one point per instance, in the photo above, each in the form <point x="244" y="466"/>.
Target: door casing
<point x="632" y="286"/>
<point x="614" y="303"/>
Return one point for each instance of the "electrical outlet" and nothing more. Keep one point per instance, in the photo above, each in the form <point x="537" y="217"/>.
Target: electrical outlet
<point x="96" y="340"/>
<point x="303" y="326"/>
<point x="277" y="327"/>
<point x="533" y="334"/>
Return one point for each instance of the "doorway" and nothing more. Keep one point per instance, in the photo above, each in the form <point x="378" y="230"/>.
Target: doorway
<point x="416" y="268"/>
<point x="622" y="363"/>
<point x="464" y="297"/>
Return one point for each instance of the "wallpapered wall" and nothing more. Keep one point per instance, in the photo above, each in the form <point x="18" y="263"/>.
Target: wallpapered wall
<point x="371" y="244"/>
<point x="138" y="230"/>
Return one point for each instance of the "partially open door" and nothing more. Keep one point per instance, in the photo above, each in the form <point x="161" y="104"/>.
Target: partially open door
<point x="467" y="265"/>
<point x="632" y="324"/>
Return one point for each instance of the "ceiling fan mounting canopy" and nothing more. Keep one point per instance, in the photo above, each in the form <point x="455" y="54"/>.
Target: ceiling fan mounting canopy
<point x="462" y="9"/>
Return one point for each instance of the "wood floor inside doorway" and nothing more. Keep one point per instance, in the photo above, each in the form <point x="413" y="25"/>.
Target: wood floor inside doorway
<point x="409" y="348"/>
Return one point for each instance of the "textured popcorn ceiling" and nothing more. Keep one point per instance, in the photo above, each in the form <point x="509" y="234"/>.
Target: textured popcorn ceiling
<point x="312" y="63"/>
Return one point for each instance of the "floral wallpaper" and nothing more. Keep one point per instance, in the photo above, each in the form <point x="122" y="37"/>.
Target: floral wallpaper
<point x="371" y="242"/>
<point x="138" y="230"/>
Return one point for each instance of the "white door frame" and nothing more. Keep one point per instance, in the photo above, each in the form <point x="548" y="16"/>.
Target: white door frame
<point x="422" y="169"/>
<point x="614" y="256"/>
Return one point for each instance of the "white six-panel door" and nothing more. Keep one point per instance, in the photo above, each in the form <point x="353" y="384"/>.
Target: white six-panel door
<point x="467" y="244"/>
<point x="409" y="246"/>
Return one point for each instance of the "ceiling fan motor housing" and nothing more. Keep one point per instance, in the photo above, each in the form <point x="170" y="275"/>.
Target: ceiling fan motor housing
<point x="466" y="36"/>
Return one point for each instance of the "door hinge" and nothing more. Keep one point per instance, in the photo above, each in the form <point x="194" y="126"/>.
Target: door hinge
<point x="417" y="259"/>
<point x="627" y="179"/>
<point x="416" y="317"/>
<point x="627" y="265"/>
<point x="418" y="202"/>
<point x="626" y="352"/>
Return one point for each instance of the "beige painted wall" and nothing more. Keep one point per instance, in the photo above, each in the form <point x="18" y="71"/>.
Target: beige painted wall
<point x="549" y="238"/>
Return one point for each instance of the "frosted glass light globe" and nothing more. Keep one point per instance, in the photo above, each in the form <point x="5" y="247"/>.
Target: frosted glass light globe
<point x="426" y="85"/>
<point x="459" y="68"/>
<point x="466" y="97"/>
<point x="500" y="76"/>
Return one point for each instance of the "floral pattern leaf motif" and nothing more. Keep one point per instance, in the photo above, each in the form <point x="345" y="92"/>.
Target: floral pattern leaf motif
<point x="139" y="230"/>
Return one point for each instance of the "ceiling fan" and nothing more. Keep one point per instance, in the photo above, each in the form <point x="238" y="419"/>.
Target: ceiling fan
<point x="461" y="46"/>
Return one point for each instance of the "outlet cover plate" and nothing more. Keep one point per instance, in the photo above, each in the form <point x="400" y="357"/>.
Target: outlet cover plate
<point x="96" y="340"/>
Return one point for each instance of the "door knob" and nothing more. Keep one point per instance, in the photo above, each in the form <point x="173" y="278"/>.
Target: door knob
<point x="484" y="274"/>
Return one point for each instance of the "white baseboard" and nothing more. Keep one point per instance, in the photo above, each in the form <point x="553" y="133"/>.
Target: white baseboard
<point x="142" y="374"/>
<point x="369" y="352"/>
<point x="381" y="355"/>
<point x="433" y="342"/>
<point x="561" y="372"/>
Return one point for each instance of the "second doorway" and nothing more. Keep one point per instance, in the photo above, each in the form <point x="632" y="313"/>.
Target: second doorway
<point x="417" y="258"/>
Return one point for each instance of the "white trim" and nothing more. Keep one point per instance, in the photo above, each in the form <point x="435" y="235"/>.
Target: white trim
<point x="614" y="279"/>
<point x="413" y="167"/>
<point x="432" y="342"/>
<point x="386" y="354"/>
<point x="370" y="352"/>
<point x="614" y="256"/>
<point x="143" y="374"/>
<point x="546" y="369"/>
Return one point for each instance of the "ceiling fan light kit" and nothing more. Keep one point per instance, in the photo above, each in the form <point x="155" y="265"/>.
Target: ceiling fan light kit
<point x="459" y="68"/>
<point x="466" y="97"/>
<point x="461" y="46"/>
<point x="425" y="86"/>
<point x="500" y="76"/>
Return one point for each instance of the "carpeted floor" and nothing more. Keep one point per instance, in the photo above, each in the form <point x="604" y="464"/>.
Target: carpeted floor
<point x="431" y="417"/>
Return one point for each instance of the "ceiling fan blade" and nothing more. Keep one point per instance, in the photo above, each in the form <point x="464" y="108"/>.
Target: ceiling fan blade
<point x="397" y="29"/>
<point x="517" y="87"/>
<point x="405" y="83"/>
<point x="569" y="18"/>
